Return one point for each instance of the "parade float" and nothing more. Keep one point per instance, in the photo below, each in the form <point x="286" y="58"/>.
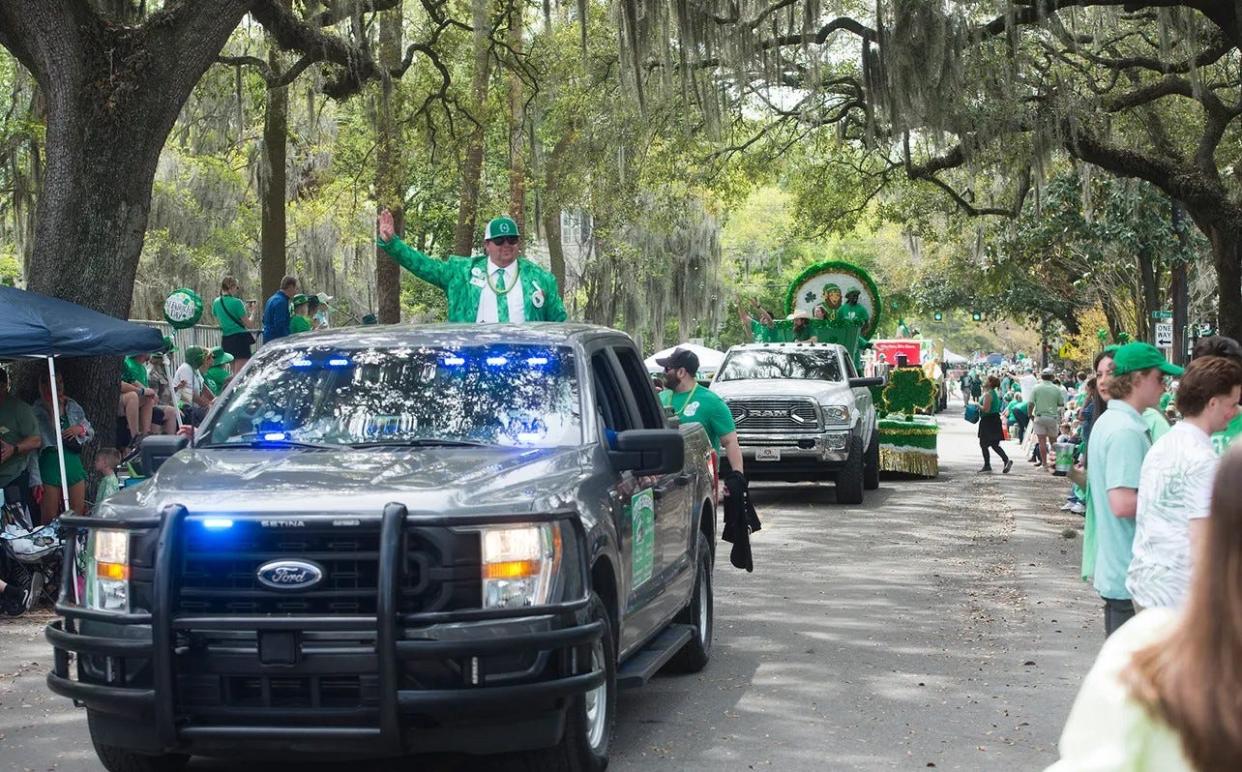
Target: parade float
<point x="838" y="302"/>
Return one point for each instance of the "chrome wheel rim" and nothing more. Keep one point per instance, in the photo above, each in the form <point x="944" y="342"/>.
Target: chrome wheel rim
<point x="597" y="701"/>
<point x="704" y="601"/>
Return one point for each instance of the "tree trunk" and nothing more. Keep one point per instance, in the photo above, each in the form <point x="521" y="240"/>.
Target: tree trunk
<point x="1226" y="236"/>
<point x="472" y="168"/>
<point x="388" y="170"/>
<point x="517" y="120"/>
<point x="552" y="208"/>
<point x="1149" y="295"/>
<point x="272" y="183"/>
<point x="113" y="94"/>
<point x="1179" y="289"/>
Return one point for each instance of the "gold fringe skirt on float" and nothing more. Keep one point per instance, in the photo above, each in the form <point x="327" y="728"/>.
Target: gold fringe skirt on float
<point x="916" y="461"/>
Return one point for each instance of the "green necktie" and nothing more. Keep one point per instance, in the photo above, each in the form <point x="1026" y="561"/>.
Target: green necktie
<point x="502" y="298"/>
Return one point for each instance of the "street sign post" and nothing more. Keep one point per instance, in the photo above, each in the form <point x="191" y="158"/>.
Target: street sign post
<point x="1161" y="314"/>
<point x="1164" y="335"/>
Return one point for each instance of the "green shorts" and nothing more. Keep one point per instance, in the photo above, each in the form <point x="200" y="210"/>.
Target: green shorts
<point x="49" y="468"/>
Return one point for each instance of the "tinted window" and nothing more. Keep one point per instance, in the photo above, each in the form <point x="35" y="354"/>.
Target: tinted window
<point x="640" y="384"/>
<point x="509" y="395"/>
<point x="808" y="364"/>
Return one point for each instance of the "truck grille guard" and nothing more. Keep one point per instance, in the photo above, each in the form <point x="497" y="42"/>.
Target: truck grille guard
<point x="159" y="701"/>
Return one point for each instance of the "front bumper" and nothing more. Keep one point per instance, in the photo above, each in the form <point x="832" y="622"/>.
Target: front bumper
<point x="475" y="681"/>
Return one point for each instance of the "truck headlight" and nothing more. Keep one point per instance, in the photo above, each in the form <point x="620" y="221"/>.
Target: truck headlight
<point x="520" y="564"/>
<point x="107" y="578"/>
<point x="837" y="414"/>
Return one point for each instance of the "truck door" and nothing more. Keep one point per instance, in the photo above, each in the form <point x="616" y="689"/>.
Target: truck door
<point x="862" y="399"/>
<point x="632" y="502"/>
<point x="672" y="493"/>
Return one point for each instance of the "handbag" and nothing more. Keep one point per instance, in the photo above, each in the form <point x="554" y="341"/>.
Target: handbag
<point x="236" y="321"/>
<point x="972" y="413"/>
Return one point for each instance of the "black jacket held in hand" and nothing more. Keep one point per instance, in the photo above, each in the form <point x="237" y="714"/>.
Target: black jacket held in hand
<point x="739" y="520"/>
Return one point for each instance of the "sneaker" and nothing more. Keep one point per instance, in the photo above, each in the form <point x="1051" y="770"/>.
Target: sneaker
<point x="1008" y="466"/>
<point x="14" y="600"/>
<point x="985" y="470"/>
<point x="1078" y="509"/>
<point x="1067" y="506"/>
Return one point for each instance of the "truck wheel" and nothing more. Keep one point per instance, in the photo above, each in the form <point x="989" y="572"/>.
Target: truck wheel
<point x="700" y="615"/>
<point x="592" y="716"/>
<point x="117" y="759"/>
<point x="871" y="465"/>
<point x="850" y="477"/>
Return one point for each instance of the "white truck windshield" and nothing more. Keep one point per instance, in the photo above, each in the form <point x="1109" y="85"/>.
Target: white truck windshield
<point x="815" y="365"/>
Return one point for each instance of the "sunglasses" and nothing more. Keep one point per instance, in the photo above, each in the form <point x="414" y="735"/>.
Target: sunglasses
<point x="505" y="240"/>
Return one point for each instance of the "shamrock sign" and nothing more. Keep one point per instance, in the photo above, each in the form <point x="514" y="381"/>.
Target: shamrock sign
<point x="908" y="389"/>
<point x="183" y="308"/>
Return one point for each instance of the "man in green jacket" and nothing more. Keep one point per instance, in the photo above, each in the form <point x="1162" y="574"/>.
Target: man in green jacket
<point x="496" y="287"/>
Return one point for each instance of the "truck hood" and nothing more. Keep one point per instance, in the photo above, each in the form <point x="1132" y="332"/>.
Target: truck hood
<point x="432" y="480"/>
<point x="823" y="392"/>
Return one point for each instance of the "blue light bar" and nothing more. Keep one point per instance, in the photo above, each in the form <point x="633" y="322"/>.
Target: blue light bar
<point x="274" y="436"/>
<point x="497" y="361"/>
<point x="338" y="362"/>
<point x="301" y="363"/>
<point x="454" y="361"/>
<point x="217" y="523"/>
<point x="537" y="361"/>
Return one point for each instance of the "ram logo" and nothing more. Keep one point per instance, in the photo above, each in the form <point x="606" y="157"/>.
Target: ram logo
<point x="769" y="413"/>
<point x="290" y="575"/>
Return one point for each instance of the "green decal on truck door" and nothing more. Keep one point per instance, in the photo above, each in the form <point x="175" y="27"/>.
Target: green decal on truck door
<point x="642" y="515"/>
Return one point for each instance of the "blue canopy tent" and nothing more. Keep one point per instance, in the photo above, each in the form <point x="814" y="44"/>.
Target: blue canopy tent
<point x="36" y="326"/>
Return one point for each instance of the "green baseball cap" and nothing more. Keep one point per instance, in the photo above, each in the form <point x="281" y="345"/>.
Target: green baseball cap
<point x="501" y="226"/>
<point x="221" y="356"/>
<point x="300" y="299"/>
<point x="831" y="288"/>
<point x="168" y="345"/>
<point x="1142" y="356"/>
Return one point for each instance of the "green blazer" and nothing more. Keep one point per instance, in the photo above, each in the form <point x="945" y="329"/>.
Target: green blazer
<point x="463" y="280"/>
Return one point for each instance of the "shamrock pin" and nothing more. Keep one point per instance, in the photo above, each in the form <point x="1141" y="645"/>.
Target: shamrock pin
<point x="536" y="298"/>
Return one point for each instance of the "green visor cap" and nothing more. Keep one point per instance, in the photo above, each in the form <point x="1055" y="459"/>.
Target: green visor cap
<point x="1142" y="356"/>
<point x="831" y="288"/>
<point x="221" y="356"/>
<point x="300" y="300"/>
<point x="501" y="226"/>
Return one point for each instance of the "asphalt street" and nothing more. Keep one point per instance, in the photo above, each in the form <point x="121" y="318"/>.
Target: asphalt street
<point x="940" y="625"/>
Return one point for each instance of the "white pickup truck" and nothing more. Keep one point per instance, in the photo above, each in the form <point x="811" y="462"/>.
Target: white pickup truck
<point x="803" y="414"/>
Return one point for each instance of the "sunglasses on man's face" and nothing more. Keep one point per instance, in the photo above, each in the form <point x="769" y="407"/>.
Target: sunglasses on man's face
<point x="505" y="241"/>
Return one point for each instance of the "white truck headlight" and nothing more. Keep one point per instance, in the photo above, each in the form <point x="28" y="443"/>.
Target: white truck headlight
<point x="837" y="414"/>
<point x="107" y="567"/>
<point x="520" y="564"/>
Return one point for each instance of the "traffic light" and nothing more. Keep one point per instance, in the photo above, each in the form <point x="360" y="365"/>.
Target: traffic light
<point x="976" y="316"/>
<point x="938" y="316"/>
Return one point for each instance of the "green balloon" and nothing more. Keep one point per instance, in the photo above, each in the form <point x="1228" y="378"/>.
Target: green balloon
<point x="183" y="308"/>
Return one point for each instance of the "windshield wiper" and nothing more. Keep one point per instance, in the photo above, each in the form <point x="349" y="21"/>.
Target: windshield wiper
<point x="271" y="444"/>
<point x="420" y="443"/>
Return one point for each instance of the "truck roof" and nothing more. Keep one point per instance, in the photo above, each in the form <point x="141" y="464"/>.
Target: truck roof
<point x="393" y="335"/>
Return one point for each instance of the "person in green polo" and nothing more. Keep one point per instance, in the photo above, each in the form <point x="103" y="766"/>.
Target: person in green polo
<point x="694" y="404"/>
<point x="498" y="286"/>
<point x="1119" y="443"/>
<point x="300" y="321"/>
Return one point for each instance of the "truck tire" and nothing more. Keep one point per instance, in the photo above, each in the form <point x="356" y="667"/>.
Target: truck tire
<point x="850" y="476"/>
<point x="700" y="614"/>
<point x="871" y="464"/>
<point x="591" y="718"/>
<point x="116" y="759"/>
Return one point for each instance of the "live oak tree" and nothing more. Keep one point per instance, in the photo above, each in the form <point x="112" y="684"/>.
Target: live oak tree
<point x="971" y="102"/>
<point x="113" y="83"/>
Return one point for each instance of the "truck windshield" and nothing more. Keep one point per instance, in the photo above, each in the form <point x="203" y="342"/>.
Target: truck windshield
<point x="801" y="365"/>
<point x="507" y="395"/>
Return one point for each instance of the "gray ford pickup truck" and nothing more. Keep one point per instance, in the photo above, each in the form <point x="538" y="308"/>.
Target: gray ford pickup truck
<point x="396" y="540"/>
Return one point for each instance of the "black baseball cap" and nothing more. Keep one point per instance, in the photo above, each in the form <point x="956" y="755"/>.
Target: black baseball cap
<point x="681" y="357"/>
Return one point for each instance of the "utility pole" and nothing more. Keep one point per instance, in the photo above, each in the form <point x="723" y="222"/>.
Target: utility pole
<point x="1179" y="289"/>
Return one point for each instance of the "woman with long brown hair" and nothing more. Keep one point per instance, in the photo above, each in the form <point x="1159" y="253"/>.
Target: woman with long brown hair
<point x="1166" y="690"/>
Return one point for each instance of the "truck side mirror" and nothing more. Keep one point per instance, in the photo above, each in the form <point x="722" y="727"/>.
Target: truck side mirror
<point x="158" y="448"/>
<point x="865" y="383"/>
<point x="649" y="451"/>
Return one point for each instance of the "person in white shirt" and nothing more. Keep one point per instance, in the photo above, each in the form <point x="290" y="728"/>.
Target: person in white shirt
<point x="1175" y="485"/>
<point x="193" y="396"/>
<point x="1027" y="383"/>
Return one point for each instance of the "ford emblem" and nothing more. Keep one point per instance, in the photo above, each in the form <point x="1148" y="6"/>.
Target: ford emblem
<point x="290" y="575"/>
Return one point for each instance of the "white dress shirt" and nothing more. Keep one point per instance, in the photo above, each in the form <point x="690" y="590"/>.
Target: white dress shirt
<point x="487" y="298"/>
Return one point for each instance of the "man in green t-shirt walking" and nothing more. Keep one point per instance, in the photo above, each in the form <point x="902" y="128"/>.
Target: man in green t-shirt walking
<point x="694" y="404"/>
<point x="1047" y="399"/>
<point x="232" y="314"/>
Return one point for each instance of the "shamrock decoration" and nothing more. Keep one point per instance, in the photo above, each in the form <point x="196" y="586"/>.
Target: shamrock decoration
<point x="1123" y="338"/>
<point x="809" y="297"/>
<point x="908" y="390"/>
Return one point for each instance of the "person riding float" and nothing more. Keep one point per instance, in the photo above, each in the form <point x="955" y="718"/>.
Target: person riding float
<point x="496" y="287"/>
